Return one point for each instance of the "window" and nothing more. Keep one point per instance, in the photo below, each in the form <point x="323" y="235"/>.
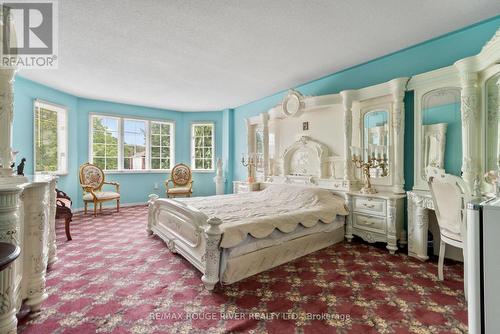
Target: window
<point x="50" y="132"/>
<point x="134" y="144"/>
<point x="129" y="144"/>
<point x="105" y="142"/>
<point x="202" y="146"/>
<point x="161" y="145"/>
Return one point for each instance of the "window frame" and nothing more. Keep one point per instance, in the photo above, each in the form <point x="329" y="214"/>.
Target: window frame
<point x="121" y="119"/>
<point x="202" y="170"/>
<point x="62" y="113"/>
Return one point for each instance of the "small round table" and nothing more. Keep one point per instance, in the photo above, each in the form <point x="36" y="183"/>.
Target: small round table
<point x="8" y="253"/>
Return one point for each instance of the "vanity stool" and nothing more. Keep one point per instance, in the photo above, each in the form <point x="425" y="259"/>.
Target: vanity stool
<point x="376" y="217"/>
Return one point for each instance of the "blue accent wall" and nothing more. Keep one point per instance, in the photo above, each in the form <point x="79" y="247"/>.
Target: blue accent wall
<point x="135" y="186"/>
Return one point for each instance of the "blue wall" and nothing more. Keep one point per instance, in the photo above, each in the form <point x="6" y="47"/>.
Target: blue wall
<point x="439" y="52"/>
<point x="135" y="186"/>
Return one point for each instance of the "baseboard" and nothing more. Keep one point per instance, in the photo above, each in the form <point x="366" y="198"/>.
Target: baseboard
<point x="109" y="206"/>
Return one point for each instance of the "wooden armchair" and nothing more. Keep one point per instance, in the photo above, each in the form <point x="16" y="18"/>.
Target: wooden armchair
<point x="92" y="179"/>
<point x="182" y="182"/>
<point x="63" y="210"/>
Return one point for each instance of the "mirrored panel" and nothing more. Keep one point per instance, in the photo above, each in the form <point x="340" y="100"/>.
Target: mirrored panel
<point x="493" y="124"/>
<point x="441" y="123"/>
<point x="376" y="133"/>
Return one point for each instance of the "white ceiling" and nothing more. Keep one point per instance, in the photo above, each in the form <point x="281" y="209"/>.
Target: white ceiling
<point x="209" y="55"/>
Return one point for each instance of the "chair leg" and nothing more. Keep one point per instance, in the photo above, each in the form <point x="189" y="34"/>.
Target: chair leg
<point x="85" y="208"/>
<point x="442" y="249"/>
<point x="67" y="221"/>
<point x="95" y="209"/>
<point x="117" y="205"/>
<point x="100" y="207"/>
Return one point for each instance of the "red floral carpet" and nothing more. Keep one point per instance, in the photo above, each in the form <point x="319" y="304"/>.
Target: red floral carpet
<point x="112" y="278"/>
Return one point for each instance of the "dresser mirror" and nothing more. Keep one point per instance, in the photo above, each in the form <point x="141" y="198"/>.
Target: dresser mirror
<point x="375" y="134"/>
<point x="259" y="149"/>
<point x="441" y="131"/>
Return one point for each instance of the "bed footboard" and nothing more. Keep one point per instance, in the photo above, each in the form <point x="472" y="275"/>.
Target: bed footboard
<point x="190" y="233"/>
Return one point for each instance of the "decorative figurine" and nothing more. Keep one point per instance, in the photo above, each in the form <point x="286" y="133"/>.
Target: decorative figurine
<point x="20" y="167"/>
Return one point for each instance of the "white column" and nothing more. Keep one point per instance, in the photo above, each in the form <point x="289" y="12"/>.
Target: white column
<point x="347" y="98"/>
<point x="6" y="119"/>
<point x="470" y="113"/>
<point x="35" y="250"/>
<point x="212" y="253"/>
<point x="265" y="142"/>
<point x="398" y="129"/>
<point x="10" y="277"/>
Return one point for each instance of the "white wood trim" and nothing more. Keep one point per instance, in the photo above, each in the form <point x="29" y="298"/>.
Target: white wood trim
<point x="198" y="170"/>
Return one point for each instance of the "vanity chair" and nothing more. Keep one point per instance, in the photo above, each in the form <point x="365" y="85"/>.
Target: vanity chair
<point x="450" y="195"/>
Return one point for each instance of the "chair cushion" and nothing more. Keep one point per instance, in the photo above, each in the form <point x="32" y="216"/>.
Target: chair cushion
<point x="66" y="202"/>
<point x="101" y="195"/>
<point x="179" y="190"/>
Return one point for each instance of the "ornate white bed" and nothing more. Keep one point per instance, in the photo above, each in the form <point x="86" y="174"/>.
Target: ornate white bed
<point x="231" y="237"/>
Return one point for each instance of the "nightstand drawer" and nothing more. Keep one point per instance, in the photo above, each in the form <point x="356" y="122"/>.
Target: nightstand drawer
<point x="375" y="224"/>
<point x="369" y="205"/>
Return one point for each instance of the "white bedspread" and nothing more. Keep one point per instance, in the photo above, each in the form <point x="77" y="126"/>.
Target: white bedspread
<point x="259" y="213"/>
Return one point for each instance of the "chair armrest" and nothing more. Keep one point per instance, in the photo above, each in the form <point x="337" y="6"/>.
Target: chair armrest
<point x="167" y="182"/>
<point x="116" y="184"/>
<point x="191" y="185"/>
<point x="89" y="189"/>
<point x="62" y="194"/>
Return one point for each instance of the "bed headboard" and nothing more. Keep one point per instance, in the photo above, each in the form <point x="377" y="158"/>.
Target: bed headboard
<point x="308" y="162"/>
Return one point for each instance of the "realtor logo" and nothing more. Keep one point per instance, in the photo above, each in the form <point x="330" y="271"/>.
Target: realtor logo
<point x="29" y="34"/>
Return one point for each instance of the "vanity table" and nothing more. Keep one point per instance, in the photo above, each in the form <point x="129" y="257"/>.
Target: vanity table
<point x="456" y="129"/>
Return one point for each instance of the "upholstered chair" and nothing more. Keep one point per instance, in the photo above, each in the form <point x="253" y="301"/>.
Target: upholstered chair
<point x="92" y="179"/>
<point x="450" y="195"/>
<point x="181" y="182"/>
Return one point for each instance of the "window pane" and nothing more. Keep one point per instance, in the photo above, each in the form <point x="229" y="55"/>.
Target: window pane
<point x="111" y="163"/>
<point x="208" y="164"/>
<point x="207" y="141"/>
<point x="98" y="150"/>
<point x="165" y="129"/>
<point x="155" y="128"/>
<point x="155" y="163"/>
<point x="165" y="163"/>
<point x="134" y="144"/>
<point x="208" y="153"/>
<point x="155" y="140"/>
<point x="198" y="131"/>
<point x="155" y="152"/>
<point x="112" y="150"/>
<point x="165" y="140"/>
<point x="165" y="152"/>
<point x="46" y="140"/>
<point x="198" y="163"/>
<point x="207" y="130"/>
<point x="100" y="162"/>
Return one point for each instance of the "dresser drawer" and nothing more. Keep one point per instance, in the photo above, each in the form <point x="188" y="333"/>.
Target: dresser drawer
<point x="363" y="222"/>
<point x="369" y="205"/>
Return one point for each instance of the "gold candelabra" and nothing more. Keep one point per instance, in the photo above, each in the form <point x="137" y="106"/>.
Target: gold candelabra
<point x="376" y="160"/>
<point x="250" y="161"/>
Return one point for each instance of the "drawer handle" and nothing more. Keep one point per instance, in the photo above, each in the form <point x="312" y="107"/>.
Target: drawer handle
<point x="367" y="222"/>
<point x="371" y="206"/>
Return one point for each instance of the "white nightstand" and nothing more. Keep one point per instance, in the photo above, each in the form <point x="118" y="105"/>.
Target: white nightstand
<point x="376" y="217"/>
<point x="245" y="187"/>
